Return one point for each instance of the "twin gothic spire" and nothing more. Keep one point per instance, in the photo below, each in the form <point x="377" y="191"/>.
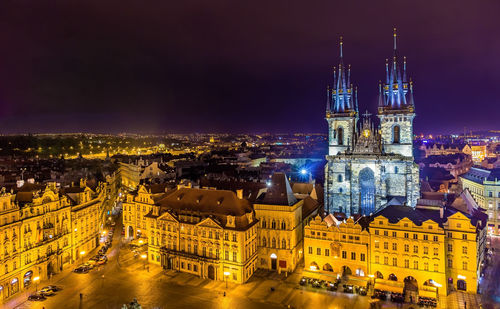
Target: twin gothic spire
<point x="395" y="94"/>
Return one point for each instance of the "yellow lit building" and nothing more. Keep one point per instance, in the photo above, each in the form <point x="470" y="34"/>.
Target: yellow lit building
<point x="484" y="186"/>
<point x="43" y="230"/>
<point x="424" y="251"/>
<point x="336" y="248"/>
<point x="208" y="233"/>
<point x="282" y="218"/>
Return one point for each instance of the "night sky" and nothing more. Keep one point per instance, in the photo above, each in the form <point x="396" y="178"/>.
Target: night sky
<point x="238" y="66"/>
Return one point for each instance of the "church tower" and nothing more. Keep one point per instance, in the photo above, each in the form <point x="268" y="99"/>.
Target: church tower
<point x="396" y="109"/>
<point x="341" y="110"/>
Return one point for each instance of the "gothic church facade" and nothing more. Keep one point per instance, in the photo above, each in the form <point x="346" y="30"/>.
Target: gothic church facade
<point x="368" y="165"/>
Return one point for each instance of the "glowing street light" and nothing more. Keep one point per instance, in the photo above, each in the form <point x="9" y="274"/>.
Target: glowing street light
<point x="81" y="254"/>
<point x="303" y="171"/>
<point x="144" y="257"/>
<point x="226" y="275"/>
<point x="36" y="282"/>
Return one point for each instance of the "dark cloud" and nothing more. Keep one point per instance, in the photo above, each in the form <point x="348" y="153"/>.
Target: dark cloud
<point x="229" y="66"/>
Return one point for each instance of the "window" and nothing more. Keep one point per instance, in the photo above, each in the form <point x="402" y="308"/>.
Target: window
<point x="340" y="136"/>
<point x="353" y="255"/>
<point x="464" y="236"/>
<point x="450" y="263"/>
<point x="426" y="237"/>
<point x="386" y="233"/>
<point x="344" y="254"/>
<point x="395" y="169"/>
<point x="464" y="250"/>
<point x="226" y="236"/>
<point x="339" y="178"/>
<point x="450" y="235"/>
<point x="394" y="262"/>
<point x="310" y="250"/>
<point x="195" y="267"/>
<point x="376" y="232"/>
<point x="450" y="247"/>
<point x="435" y="238"/>
<point x="274" y="243"/>
<point x="464" y="265"/>
<point x="234" y="237"/>
<point x="415" y="236"/>
<point x="386" y="245"/>
<point x="436" y="251"/>
<point x="394" y="234"/>
<point x="386" y="260"/>
<point x="407" y="248"/>
<point x="426" y="266"/>
<point x="182" y="265"/>
<point x="318" y="251"/>
<point x="396" y="134"/>
<point x="415" y="264"/>
<point x="235" y="256"/>
<point x="376" y="259"/>
<point x="226" y="255"/>
<point x="415" y="249"/>
<point x="283" y="225"/>
<point x="327" y="252"/>
<point x="407" y="263"/>
<point x="362" y="257"/>
<point x="377" y="245"/>
<point x="283" y="243"/>
<point x="273" y="225"/>
<point x="407" y="235"/>
<point x="394" y="246"/>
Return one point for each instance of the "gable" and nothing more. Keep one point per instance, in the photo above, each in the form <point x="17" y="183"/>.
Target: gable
<point x="209" y="222"/>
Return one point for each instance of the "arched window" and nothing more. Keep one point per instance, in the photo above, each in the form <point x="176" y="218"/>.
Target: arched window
<point x="340" y="136"/>
<point x="395" y="169"/>
<point x="264" y="223"/>
<point x="264" y="242"/>
<point x="283" y="225"/>
<point x="283" y="243"/>
<point x="396" y="134"/>
<point x="274" y="243"/>
<point x="273" y="225"/>
<point x="339" y="178"/>
<point x="340" y="190"/>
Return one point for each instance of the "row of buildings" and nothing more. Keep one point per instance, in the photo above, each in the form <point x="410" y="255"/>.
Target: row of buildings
<point x="220" y="234"/>
<point x="430" y="250"/>
<point x="45" y="228"/>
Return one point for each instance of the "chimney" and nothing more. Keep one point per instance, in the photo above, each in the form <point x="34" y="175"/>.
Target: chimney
<point x="239" y="193"/>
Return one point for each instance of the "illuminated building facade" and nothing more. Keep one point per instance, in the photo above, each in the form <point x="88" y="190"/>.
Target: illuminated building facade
<point x="429" y="250"/>
<point x="43" y="230"/>
<point x="282" y="217"/>
<point x="368" y="165"/>
<point x="208" y="233"/>
<point x="484" y="186"/>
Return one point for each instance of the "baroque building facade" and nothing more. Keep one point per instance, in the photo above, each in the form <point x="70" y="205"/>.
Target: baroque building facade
<point x="429" y="251"/>
<point x="368" y="165"/>
<point x="205" y="232"/>
<point x="44" y="229"/>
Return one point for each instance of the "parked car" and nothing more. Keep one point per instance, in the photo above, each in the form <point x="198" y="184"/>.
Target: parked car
<point x="46" y="292"/>
<point x="81" y="270"/>
<point x="303" y="281"/>
<point x="332" y="286"/>
<point x="54" y="288"/>
<point x="36" y="297"/>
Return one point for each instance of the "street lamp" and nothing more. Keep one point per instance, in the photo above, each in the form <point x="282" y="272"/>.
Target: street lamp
<point x="144" y="256"/>
<point x="226" y="275"/>
<point x="81" y="255"/>
<point x="36" y="282"/>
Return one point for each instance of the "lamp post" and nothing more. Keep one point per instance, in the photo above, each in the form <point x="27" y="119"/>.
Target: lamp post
<point x="81" y="255"/>
<point x="226" y="275"/>
<point x="143" y="257"/>
<point x="36" y="282"/>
